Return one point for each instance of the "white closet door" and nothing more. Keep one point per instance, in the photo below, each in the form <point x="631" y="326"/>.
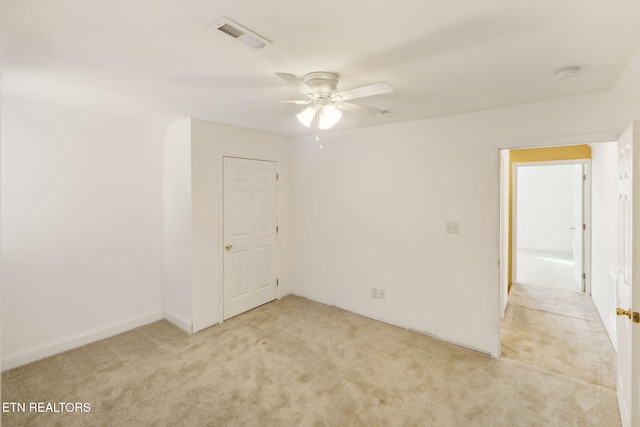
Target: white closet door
<point x="250" y="262"/>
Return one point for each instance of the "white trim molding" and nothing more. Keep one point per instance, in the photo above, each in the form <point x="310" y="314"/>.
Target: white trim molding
<point x="179" y="320"/>
<point x="58" y="346"/>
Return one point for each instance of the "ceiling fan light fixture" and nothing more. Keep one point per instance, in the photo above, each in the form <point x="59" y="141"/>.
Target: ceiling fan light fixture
<point x="332" y="113"/>
<point x="306" y="116"/>
<point x="327" y="104"/>
<point x="329" y="116"/>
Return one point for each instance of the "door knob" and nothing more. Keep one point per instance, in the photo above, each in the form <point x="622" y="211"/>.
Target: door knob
<point x="621" y="312"/>
<point x="228" y="247"/>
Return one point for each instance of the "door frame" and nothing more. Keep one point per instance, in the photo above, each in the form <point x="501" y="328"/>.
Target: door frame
<point x="221" y="226"/>
<point x="586" y="214"/>
<point x="509" y="146"/>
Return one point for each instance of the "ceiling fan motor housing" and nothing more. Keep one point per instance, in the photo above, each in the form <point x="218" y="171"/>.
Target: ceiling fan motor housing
<point x="323" y="83"/>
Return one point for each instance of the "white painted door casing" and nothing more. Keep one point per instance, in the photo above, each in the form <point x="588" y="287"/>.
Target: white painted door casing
<point x="577" y="228"/>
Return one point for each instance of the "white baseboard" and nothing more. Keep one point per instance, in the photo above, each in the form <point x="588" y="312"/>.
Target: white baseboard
<point x="426" y="333"/>
<point x="178" y="320"/>
<point x="41" y="351"/>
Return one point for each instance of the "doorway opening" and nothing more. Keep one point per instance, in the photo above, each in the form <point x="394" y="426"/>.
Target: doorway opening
<point x="510" y="160"/>
<point x="549" y="225"/>
<point x="551" y="321"/>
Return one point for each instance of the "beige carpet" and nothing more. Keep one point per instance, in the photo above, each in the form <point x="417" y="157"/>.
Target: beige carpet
<point x="298" y="363"/>
<point x="559" y="331"/>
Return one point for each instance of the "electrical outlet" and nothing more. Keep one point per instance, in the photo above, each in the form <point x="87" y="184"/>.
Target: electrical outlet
<point x="381" y="293"/>
<point x="374" y="292"/>
<point x="452" y="227"/>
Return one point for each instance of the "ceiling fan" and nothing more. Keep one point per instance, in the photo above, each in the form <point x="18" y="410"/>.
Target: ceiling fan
<point x="326" y="103"/>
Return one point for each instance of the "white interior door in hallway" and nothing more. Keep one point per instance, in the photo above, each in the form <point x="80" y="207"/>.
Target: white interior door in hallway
<point x="628" y="286"/>
<point x="250" y="256"/>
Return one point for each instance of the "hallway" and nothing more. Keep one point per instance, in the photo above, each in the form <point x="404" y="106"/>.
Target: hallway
<point x="558" y="331"/>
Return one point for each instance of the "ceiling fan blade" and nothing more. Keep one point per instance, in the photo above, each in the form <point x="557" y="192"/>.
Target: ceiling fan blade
<point x="363" y="91"/>
<point x="293" y="101"/>
<point x="294" y="80"/>
<point x="357" y="108"/>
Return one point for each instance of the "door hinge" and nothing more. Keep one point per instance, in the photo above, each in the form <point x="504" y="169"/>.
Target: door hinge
<point x="277" y="282"/>
<point x="584" y="276"/>
<point x="584" y="226"/>
<point x="636" y="317"/>
<point x="277" y="229"/>
<point x="277" y="176"/>
<point x="584" y="177"/>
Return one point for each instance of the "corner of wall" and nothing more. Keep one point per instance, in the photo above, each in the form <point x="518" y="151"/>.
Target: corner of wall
<point x="178" y="320"/>
<point x="177" y="258"/>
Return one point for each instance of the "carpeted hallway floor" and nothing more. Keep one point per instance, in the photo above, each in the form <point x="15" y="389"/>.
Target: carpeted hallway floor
<point x="294" y="362"/>
<point x="559" y="331"/>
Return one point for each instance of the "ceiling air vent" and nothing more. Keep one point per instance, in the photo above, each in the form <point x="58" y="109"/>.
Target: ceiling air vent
<point x="241" y="33"/>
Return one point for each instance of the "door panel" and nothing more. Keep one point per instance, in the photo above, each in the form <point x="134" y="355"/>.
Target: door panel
<point x="238" y="284"/>
<point x="628" y="288"/>
<point x="249" y="234"/>
<point x="239" y="220"/>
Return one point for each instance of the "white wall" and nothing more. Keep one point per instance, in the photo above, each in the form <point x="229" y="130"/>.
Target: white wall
<point x="201" y="281"/>
<point x="211" y="142"/>
<point x="604" y="233"/>
<point x="544" y="208"/>
<point x="81" y="227"/>
<point x="177" y="293"/>
<point x="628" y="85"/>
<point x="370" y="210"/>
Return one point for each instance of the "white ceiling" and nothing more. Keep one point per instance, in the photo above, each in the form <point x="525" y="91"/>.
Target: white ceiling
<point x="163" y="58"/>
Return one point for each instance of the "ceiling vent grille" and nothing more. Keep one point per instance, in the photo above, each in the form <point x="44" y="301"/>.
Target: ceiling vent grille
<point x="241" y="33"/>
<point x="232" y="31"/>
